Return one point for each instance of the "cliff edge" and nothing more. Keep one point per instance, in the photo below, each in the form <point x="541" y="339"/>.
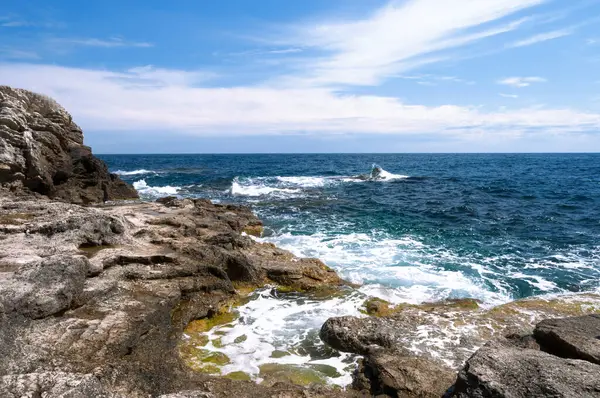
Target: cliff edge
<point x="42" y="151"/>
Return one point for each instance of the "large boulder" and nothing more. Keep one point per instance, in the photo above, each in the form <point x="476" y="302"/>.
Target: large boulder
<point x="501" y="369"/>
<point x="389" y="373"/>
<point x="42" y="151"/>
<point x="577" y="337"/>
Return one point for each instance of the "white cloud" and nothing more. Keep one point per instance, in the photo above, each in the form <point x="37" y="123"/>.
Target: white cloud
<point x="107" y="43"/>
<point x="542" y="37"/>
<point x="508" y="95"/>
<point x="520" y="82"/>
<point x="397" y="38"/>
<point x="162" y="100"/>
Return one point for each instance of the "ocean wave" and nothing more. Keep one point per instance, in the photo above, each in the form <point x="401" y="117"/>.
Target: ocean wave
<point x="154" y="192"/>
<point x="258" y="187"/>
<point x="134" y="172"/>
<point x="396" y="269"/>
<point x="307" y="182"/>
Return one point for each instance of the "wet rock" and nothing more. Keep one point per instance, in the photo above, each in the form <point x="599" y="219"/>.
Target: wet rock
<point x="358" y="335"/>
<point x="388" y="373"/>
<point x="577" y="338"/>
<point x="500" y="369"/>
<point x="42" y="151"/>
<point x="458" y="327"/>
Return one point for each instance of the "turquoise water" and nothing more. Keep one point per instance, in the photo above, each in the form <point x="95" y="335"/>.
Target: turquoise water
<point x="429" y="227"/>
<point x="491" y="226"/>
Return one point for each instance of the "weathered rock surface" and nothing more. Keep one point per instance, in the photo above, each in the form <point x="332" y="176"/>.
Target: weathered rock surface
<point x="389" y="373"/>
<point x="42" y="151"/>
<point x="501" y="369"/>
<point x="448" y="331"/>
<point x="437" y="338"/>
<point x="577" y="338"/>
<point x="93" y="300"/>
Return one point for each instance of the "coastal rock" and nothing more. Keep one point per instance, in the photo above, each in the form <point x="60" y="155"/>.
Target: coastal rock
<point x="42" y="151"/>
<point x="358" y="335"/>
<point x="577" y="338"/>
<point x="500" y="369"/>
<point x="102" y="294"/>
<point x="388" y="373"/>
<point x="458" y="327"/>
<point x="53" y="384"/>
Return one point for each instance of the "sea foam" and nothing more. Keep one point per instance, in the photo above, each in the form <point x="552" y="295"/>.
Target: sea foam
<point x="145" y="190"/>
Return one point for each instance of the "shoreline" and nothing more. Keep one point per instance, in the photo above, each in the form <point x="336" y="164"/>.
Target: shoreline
<point x="127" y="299"/>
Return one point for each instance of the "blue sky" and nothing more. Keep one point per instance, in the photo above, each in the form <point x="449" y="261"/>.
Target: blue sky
<point x="314" y="76"/>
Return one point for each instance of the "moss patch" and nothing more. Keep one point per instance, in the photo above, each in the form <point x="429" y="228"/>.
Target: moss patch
<point x="240" y="339"/>
<point x="377" y="307"/>
<point x="327" y="370"/>
<point x="273" y="373"/>
<point x="238" y="376"/>
<point x="206" y="324"/>
<point x="254" y="230"/>
<point x="279" y="354"/>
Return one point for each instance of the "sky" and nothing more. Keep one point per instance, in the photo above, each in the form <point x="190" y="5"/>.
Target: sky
<point x="280" y="76"/>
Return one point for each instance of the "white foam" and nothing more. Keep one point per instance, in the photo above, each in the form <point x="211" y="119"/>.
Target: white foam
<point x="387" y="176"/>
<point x="395" y="269"/>
<point x="257" y="187"/>
<point x="271" y="323"/>
<point x="144" y="189"/>
<point x="307" y="182"/>
<point x="134" y="172"/>
<point x="537" y="281"/>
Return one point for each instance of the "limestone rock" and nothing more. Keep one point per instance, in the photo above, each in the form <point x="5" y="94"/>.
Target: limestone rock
<point x="93" y="299"/>
<point x="388" y="373"/>
<point x="577" y="338"/>
<point x="500" y="370"/>
<point x="42" y="151"/>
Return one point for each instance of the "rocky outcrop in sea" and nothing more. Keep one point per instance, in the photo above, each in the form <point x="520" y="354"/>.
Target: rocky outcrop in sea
<point x="96" y="292"/>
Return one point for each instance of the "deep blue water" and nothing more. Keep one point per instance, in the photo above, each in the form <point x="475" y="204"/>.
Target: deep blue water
<point x="492" y="226"/>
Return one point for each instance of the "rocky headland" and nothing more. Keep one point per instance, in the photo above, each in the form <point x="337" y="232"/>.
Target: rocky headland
<point x="97" y="290"/>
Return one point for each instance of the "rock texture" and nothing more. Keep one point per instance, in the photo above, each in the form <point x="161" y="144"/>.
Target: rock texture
<point x="93" y="299"/>
<point x="501" y="369"/>
<point x="394" y="374"/>
<point x="42" y="151"/>
<point x="423" y="345"/>
<point x="577" y="338"/>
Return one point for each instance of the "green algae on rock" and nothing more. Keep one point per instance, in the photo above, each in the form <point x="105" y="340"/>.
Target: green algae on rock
<point x="273" y="373"/>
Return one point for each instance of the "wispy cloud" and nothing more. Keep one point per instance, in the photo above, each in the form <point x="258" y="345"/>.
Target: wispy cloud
<point x="519" y="82"/>
<point x="514" y="96"/>
<point x="396" y="38"/>
<point x="15" y="21"/>
<point x="149" y="99"/>
<point x="542" y="37"/>
<point x="11" y="53"/>
<point x="14" y="24"/>
<point x="434" y="80"/>
<point x="113" y="42"/>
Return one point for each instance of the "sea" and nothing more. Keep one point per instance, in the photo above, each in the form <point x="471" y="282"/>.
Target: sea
<point x="408" y="228"/>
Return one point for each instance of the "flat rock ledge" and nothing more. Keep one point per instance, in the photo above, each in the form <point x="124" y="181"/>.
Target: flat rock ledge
<point x="93" y="300"/>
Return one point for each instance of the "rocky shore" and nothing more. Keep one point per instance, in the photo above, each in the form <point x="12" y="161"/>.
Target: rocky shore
<point x="97" y="288"/>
